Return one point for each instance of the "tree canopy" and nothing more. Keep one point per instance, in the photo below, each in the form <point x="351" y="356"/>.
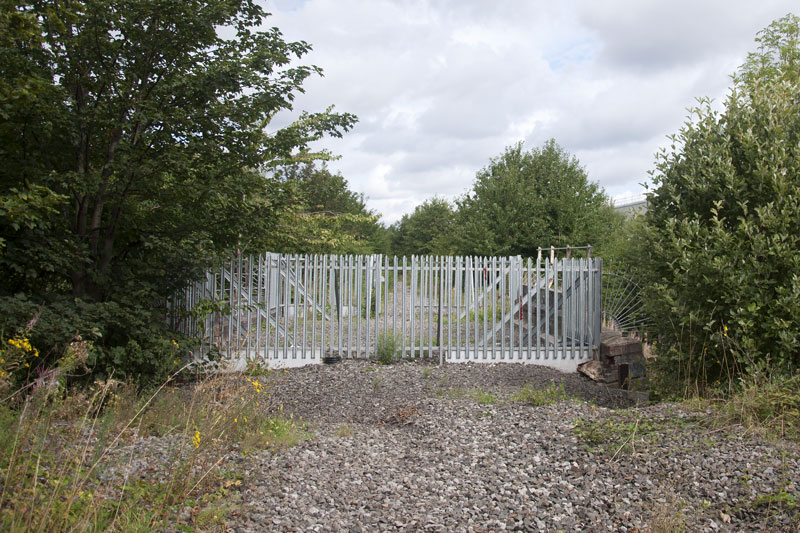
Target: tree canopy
<point x="329" y="217"/>
<point x="724" y="224"/>
<point x="135" y="136"/>
<point x="524" y="200"/>
<point x="426" y="231"/>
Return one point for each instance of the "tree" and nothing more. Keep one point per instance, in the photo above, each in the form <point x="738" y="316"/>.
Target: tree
<point x="526" y="200"/>
<point x="426" y="231"/>
<point x="329" y="217"/>
<point x="723" y="225"/>
<point x="134" y="140"/>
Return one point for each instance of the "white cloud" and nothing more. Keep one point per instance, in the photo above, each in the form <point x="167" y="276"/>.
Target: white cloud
<point x="440" y="87"/>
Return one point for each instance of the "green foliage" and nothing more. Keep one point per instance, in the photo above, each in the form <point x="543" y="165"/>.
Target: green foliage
<point x="330" y="218"/>
<point x="426" y="231"/>
<point x="723" y="225"/>
<point x="526" y="200"/>
<point x="135" y="154"/>
<point x="625" y="246"/>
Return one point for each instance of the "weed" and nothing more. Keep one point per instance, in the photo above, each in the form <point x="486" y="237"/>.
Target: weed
<point x="484" y="398"/>
<point x="458" y="393"/>
<point x="769" y="405"/>
<point x="426" y="372"/>
<point x="552" y="394"/>
<point x="668" y="517"/>
<point x="257" y="368"/>
<point x="345" y="430"/>
<point x="272" y="432"/>
<point x="377" y="383"/>
<point x="626" y="433"/>
<point x="387" y="348"/>
<point x="777" y="498"/>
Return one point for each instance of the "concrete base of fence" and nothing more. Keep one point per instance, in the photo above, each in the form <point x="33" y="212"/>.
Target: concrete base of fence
<point x="549" y="358"/>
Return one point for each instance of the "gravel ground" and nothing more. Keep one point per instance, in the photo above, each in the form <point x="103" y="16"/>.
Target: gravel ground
<point x="412" y="447"/>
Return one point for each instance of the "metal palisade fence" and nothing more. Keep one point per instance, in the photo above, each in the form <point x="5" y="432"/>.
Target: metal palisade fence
<point x="291" y="310"/>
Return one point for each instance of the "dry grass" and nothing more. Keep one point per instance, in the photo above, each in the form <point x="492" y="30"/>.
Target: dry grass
<point x="62" y="466"/>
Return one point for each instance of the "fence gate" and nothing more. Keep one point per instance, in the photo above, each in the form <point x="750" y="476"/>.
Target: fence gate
<point x="292" y="310"/>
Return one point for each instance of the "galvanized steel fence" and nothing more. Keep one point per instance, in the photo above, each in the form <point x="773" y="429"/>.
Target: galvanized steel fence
<point x="296" y="309"/>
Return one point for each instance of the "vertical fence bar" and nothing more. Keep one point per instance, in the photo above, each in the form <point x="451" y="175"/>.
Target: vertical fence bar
<point x="377" y="280"/>
<point x="459" y="294"/>
<point x="506" y="299"/>
<point x="258" y="306"/>
<point x="249" y="303"/>
<point x="284" y="262"/>
<point x="323" y="283"/>
<point x="597" y="304"/>
<point x="482" y="299"/>
<point x="267" y="304"/>
<point x="368" y="288"/>
<point x="564" y="306"/>
<point x="449" y="285"/>
<point x="314" y="301"/>
<point x="231" y="305"/>
<point x="339" y="283"/>
<point x="471" y="320"/>
<point x="359" y="302"/>
<point x="413" y="310"/>
<point x="349" y="299"/>
<point x="434" y="338"/>
<point x="491" y="279"/>
<point x="532" y="284"/>
<point x="305" y="294"/>
<point x="403" y="308"/>
<point x="385" y="295"/>
<point x="394" y="300"/>
<point x="277" y="291"/>
<point x="558" y="305"/>
<point x="520" y="295"/>
<point x="424" y="301"/>
<point x="547" y="285"/>
<point x="582" y="316"/>
<point x="294" y="294"/>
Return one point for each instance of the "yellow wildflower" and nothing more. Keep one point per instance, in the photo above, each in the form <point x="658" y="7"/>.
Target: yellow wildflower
<point x="196" y="439"/>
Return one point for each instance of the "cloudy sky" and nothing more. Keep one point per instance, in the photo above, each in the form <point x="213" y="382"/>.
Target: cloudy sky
<point x="442" y="86"/>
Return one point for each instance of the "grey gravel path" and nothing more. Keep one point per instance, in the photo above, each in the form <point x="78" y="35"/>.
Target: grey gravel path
<point x="417" y="448"/>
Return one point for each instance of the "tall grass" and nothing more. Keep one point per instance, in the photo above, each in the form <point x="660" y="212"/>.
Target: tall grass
<point x="72" y="461"/>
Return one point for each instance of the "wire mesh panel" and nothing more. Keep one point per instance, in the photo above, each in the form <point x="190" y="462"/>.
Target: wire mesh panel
<point x="296" y="309"/>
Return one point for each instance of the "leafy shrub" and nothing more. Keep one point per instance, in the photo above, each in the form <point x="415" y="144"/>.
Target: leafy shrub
<point x="123" y="338"/>
<point x="723" y="225"/>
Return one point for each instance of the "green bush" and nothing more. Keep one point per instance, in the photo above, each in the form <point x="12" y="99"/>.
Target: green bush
<point x="114" y="195"/>
<point x="125" y="338"/>
<point x="723" y="225"/>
